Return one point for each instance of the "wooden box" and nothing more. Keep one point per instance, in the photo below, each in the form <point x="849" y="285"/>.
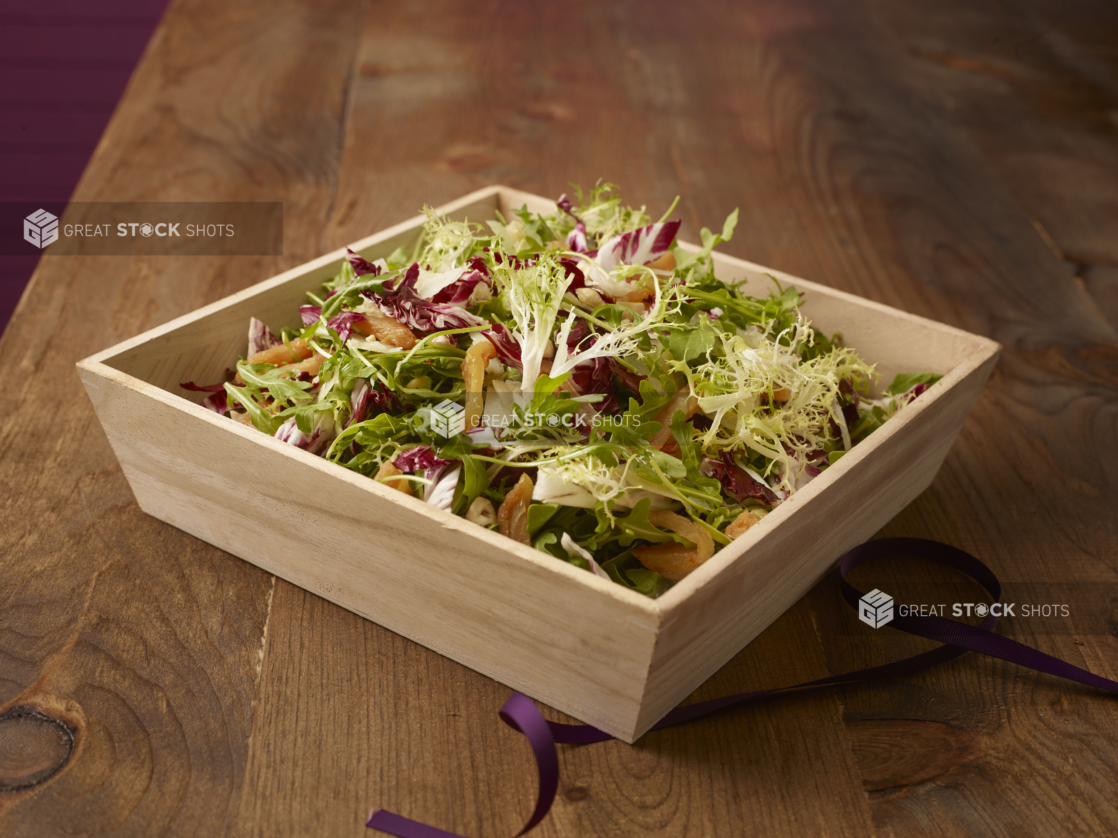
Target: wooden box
<point x="590" y="648"/>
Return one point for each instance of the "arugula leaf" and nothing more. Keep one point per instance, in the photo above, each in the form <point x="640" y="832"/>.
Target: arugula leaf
<point x="906" y="381"/>
<point x="690" y="450"/>
<point x="868" y="422"/>
<point x="277" y="382"/>
<point x="626" y="570"/>
<point x="539" y="514"/>
<point x="262" y="420"/>
<point x="685" y="260"/>
<point x="636" y="526"/>
<point x="548" y="542"/>
<point x="694" y="343"/>
<point x="475" y="479"/>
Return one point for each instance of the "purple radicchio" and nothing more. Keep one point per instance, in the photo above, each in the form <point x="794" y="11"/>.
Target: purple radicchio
<point x="574" y="272"/>
<point x="460" y="291"/>
<point x="596" y="377"/>
<point x="367" y="400"/>
<point x="362" y="266"/>
<point x="444" y="480"/>
<point x="203" y="388"/>
<point x="343" y="323"/>
<point x="218" y="403"/>
<point x="506" y="344"/>
<point x="815" y="462"/>
<point x="564" y="203"/>
<point x="387" y="401"/>
<point x="628" y="380"/>
<point x="420" y="458"/>
<point x="316" y="442"/>
<point x="911" y="395"/>
<point x="442" y="474"/>
<point x="309" y="314"/>
<point x="216" y="399"/>
<point x="579" y="332"/>
<point x="736" y="482"/>
<point x="638" y="247"/>
<point x="576" y="239"/>
<point x="360" y="397"/>
<point x="398" y="299"/>
<point x="260" y="337"/>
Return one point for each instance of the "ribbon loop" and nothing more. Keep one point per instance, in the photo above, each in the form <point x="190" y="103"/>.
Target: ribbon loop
<point x="521" y="714"/>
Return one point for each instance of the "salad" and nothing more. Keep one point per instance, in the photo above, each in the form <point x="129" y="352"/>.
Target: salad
<point x="573" y="380"/>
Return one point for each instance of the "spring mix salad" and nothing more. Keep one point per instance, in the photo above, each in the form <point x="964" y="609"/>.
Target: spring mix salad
<point x="572" y="380"/>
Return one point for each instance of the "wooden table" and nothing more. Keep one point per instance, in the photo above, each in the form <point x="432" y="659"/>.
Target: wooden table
<point x="955" y="159"/>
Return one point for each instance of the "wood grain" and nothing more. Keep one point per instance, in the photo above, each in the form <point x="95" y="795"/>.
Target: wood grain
<point x="902" y="152"/>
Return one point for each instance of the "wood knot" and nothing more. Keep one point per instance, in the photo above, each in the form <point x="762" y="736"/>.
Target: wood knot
<point x="33" y="748"/>
<point x="575" y="793"/>
<point x="898" y="754"/>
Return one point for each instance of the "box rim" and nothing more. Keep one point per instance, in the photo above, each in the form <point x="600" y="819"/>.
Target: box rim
<point x="668" y="604"/>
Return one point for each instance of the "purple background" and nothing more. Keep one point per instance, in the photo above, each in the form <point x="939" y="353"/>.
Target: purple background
<point x="63" y="67"/>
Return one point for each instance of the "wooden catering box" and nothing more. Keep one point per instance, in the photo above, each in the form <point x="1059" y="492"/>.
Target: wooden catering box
<point x="590" y="648"/>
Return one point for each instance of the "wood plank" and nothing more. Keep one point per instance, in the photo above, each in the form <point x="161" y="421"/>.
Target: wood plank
<point x="1038" y="95"/>
<point x="145" y="641"/>
<point x="1049" y="421"/>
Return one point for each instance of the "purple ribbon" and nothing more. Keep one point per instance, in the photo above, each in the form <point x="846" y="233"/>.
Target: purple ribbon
<point x="521" y="714"/>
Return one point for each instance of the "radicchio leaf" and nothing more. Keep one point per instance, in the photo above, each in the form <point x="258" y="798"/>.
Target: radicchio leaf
<point x="577" y="277"/>
<point x="912" y="394"/>
<point x="387" y="401"/>
<point x="504" y="341"/>
<point x="316" y="442"/>
<point x="596" y="377"/>
<point x="343" y="321"/>
<point x="573" y="549"/>
<point x="815" y="461"/>
<point x="564" y="203"/>
<point x="444" y="480"/>
<point x="398" y="299"/>
<point x="217" y="400"/>
<point x="576" y="239"/>
<point x="628" y="380"/>
<point x="218" y="403"/>
<point x="362" y="266"/>
<point x="460" y="291"/>
<point x="359" y="399"/>
<point x="736" y="482"/>
<point x="260" y="337"/>
<point x="420" y="458"/>
<point x="310" y="314"/>
<point x="580" y="330"/>
<point x="638" y="247"/>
